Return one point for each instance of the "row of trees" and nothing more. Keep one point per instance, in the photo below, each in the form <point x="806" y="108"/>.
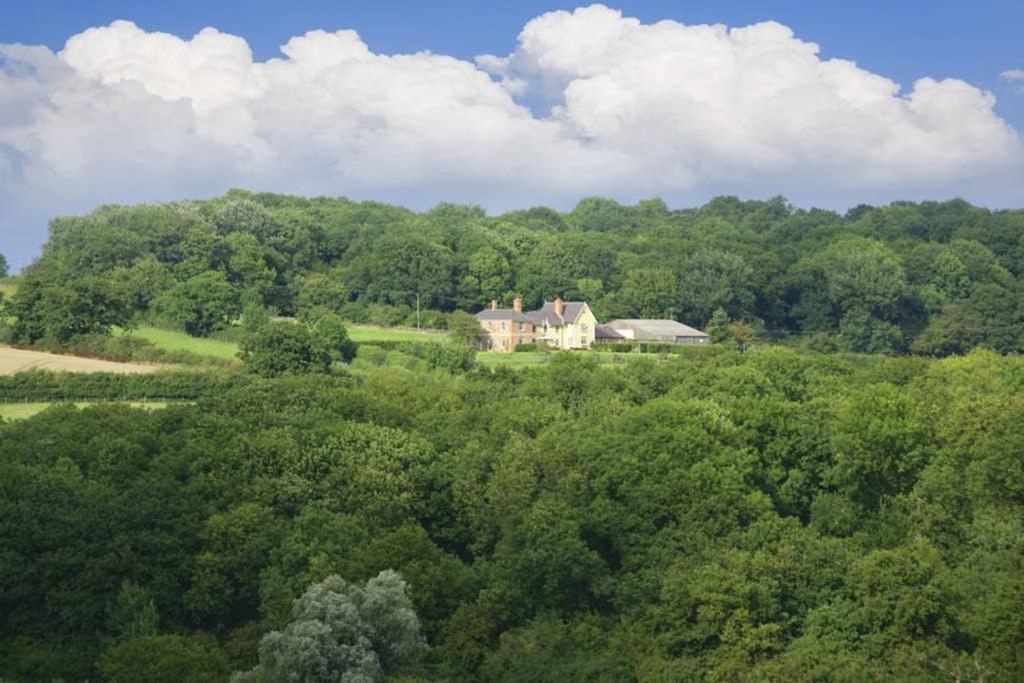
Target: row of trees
<point x="720" y="516"/>
<point x="934" y="278"/>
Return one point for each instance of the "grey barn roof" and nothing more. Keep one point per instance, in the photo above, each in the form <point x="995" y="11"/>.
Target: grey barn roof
<point x="659" y="328"/>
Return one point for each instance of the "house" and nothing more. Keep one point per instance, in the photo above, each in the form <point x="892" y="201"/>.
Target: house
<point x="658" y="331"/>
<point x="505" y="328"/>
<point x="564" y="324"/>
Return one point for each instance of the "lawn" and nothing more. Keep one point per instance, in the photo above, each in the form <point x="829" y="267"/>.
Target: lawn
<point x="179" y="341"/>
<point x="371" y="333"/>
<point x="19" y="411"/>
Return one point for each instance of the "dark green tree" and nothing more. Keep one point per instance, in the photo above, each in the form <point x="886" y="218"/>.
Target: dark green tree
<point x="200" y="305"/>
<point x="284" y="348"/>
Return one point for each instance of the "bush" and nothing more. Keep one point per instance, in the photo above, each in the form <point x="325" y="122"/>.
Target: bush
<point x="284" y="348"/>
<point x="388" y="316"/>
<point x="533" y="347"/>
<point x="449" y="357"/>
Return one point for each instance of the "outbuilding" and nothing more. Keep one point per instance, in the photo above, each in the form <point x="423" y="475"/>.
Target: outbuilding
<point x="668" y="331"/>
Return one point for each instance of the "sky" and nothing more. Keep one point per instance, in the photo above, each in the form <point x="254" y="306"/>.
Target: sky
<point x="505" y="104"/>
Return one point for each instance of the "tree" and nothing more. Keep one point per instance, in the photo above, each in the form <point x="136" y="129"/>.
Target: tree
<point x="320" y="291"/>
<point x="718" y="326"/>
<point x="333" y="333"/>
<point x="163" y="659"/>
<point x="464" y="329"/>
<point x="650" y="293"/>
<point x="711" y="279"/>
<point x="284" y="348"/>
<point x="202" y="304"/>
<point x="60" y="312"/>
<point x="741" y="333"/>
<point x="343" y="632"/>
<point x="3" y="266"/>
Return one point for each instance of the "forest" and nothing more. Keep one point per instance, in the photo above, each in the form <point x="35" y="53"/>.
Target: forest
<point x="926" y="278"/>
<point x="720" y="516"/>
<point x="840" y="499"/>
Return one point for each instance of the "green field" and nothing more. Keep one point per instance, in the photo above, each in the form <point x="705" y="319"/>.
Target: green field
<point x="371" y="333"/>
<point x="19" y="411"/>
<point x="179" y="341"/>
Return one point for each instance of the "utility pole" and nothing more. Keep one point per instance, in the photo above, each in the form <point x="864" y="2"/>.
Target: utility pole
<point x="417" y="311"/>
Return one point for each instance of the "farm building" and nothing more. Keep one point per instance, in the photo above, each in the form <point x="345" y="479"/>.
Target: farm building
<point x="658" y="331"/>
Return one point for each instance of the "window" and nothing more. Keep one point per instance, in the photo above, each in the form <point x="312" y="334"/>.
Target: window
<point x="583" y="340"/>
<point x="522" y="327"/>
<point x="583" y="327"/>
<point x="504" y="326"/>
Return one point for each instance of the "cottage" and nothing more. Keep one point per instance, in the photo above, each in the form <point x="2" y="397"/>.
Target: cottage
<point x="668" y="331"/>
<point x="505" y="328"/>
<point x="564" y="324"/>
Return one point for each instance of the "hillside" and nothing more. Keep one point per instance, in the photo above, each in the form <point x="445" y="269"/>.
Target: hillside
<point x="930" y="278"/>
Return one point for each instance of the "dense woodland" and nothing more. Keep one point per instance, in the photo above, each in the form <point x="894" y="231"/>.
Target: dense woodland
<point x="766" y="516"/>
<point x="930" y="278"/>
<point x="794" y="512"/>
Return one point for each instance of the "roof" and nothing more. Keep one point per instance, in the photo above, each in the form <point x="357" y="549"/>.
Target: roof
<point x="666" y="328"/>
<point x="605" y="332"/>
<point x="570" y="311"/>
<point x="502" y="314"/>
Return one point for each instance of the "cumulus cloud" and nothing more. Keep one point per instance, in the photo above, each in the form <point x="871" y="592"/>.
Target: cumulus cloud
<point x="590" y="102"/>
<point x="1012" y="75"/>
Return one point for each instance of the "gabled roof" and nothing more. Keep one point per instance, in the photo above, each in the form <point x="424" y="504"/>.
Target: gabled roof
<point x="546" y="313"/>
<point x="508" y="314"/>
<point x="605" y="332"/>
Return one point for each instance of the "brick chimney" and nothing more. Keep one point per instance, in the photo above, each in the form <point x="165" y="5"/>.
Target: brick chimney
<point x="559" y="306"/>
<point x="494" y="304"/>
<point x="517" y="305"/>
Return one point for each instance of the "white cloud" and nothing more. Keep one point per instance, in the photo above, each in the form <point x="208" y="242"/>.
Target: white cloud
<point x="1012" y="75"/>
<point x="625" y="109"/>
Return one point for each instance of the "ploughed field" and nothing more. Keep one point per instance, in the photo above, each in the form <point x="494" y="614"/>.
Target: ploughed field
<point x="13" y="361"/>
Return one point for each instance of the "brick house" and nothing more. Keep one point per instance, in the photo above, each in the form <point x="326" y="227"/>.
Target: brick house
<point x="505" y="328"/>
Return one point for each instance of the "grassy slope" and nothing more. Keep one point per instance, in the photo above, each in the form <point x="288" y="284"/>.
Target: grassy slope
<point x="19" y="411"/>
<point x="179" y="341"/>
<point x="370" y="334"/>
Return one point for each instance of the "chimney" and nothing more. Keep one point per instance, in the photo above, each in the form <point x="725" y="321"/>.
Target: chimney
<point x="517" y="305"/>
<point x="494" y="304"/>
<point x="559" y="306"/>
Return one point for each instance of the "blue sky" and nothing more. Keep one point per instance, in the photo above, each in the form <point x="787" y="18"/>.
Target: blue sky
<point x="642" y="108"/>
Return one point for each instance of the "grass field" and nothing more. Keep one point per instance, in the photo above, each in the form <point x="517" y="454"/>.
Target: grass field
<point x="370" y="334"/>
<point x="20" y="411"/>
<point x="179" y="341"/>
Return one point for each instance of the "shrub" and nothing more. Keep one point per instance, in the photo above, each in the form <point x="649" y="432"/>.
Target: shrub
<point x="284" y="348"/>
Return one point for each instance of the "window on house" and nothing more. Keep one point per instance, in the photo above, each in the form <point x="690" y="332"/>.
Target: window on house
<point x="583" y="340"/>
<point x="522" y="327"/>
<point x="504" y="326"/>
<point x="583" y="327"/>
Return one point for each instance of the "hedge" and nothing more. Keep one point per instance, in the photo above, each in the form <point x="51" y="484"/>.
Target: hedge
<point x="45" y="385"/>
